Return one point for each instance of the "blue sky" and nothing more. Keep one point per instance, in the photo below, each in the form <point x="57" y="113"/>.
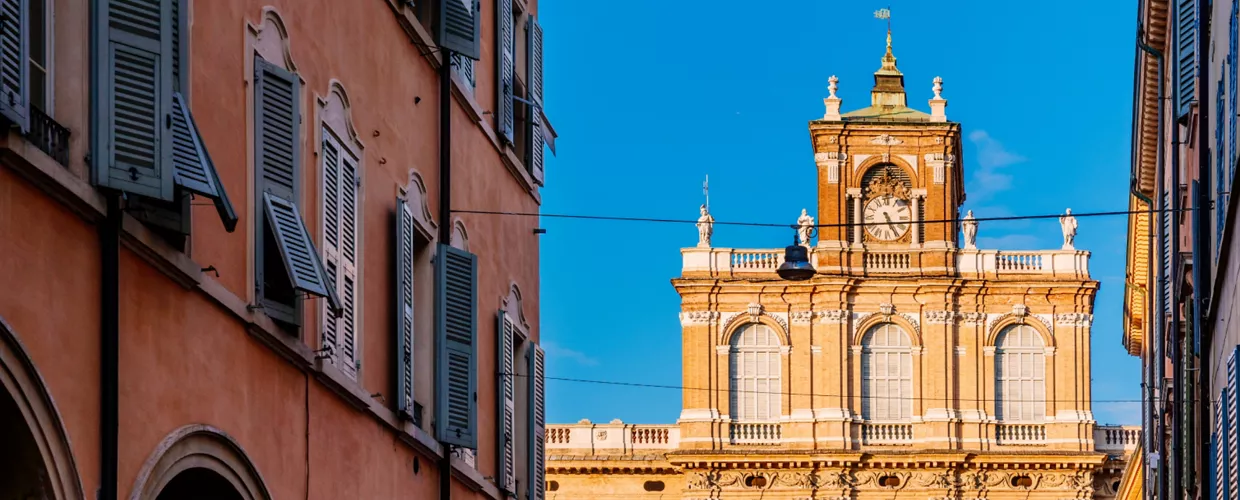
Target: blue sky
<point x="649" y="96"/>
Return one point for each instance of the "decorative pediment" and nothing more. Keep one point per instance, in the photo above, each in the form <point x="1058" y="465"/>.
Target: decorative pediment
<point x="460" y="236"/>
<point x="415" y="195"/>
<point x="885" y="183"/>
<point x="270" y="40"/>
<point x="513" y="307"/>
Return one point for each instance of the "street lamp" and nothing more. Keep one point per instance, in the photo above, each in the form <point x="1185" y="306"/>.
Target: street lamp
<point x="796" y="266"/>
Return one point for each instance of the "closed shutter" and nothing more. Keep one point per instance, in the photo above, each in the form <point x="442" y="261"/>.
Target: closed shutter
<point x="536" y="133"/>
<point x="506" y="406"/>
<point x="455" y="344"/>
<point x="1218" y="470"/>
<point x="1220" y="168"/>
<point x="340" y="248"/>
<point x="538" y="423"/>
<point x="506" y="68"/>
<point x="133" y="80"/>
<point x="301" y="261"/>
<point x="14" y="65"/>
<point x="1185" y="55"/>
<point x="180" y="31"/>
<point x="1165" y="271"/>
<point x="458" y="29"/>
<point x="1233" y="84"/>
<point x="404" y="309"/>
<point x="1232" y="419"/>
<point x="193" y="169"/>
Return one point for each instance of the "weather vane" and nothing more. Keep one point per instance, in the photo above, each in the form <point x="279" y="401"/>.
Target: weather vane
<point x="884" y="13"/>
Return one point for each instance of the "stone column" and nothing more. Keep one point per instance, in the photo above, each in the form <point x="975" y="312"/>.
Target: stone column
<point x="857" y="215"/>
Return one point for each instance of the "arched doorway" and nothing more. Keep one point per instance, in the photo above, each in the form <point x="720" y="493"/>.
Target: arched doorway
<point x="199" y="484"/>
<point x="35" y="460"/>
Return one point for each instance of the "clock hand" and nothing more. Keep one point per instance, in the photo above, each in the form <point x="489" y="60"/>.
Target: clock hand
<point x="888" y="217"/>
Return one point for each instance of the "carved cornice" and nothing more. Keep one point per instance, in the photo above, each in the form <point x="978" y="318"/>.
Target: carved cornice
<point x="801" y="317"/>
<point x="833" y="317"/>
<point x="940" y="317"/>
<point x="975" y="318"/>
<point x="1074" y="319"/>
<point x="692" y="318"/>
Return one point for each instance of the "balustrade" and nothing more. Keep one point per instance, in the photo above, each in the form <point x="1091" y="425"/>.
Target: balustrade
<point x="877" y="434"/>
<point x="1020" y="434"/>
<point x="755" y="432"/>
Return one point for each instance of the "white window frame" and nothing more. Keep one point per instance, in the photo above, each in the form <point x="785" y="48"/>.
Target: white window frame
<point x="1020" y="375"/>
<point x="755" y="366"/>
<point x="887" y="396"/>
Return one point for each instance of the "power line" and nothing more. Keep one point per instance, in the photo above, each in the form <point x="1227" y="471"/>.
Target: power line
<point x="819" y="226"/>
<point x="814" y="394"/>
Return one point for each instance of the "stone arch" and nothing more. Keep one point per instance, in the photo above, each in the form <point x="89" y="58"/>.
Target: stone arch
<point x="21" y="381"/>
<point x="739" y="321"/>
<point x="1003" y="322"/>
<point x="870" y="321"/>
<point x="414" y="193"/>
<point x="269" y="40"/>
<point x="199" y="447"/>
<point x="460" y="235"/>
<point x="877" y="161"/>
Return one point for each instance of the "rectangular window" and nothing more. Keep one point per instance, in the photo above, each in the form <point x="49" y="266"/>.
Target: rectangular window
<point x="286" y="261"/>
<point x="39" y="55"/>
<point x="340" y="226"/>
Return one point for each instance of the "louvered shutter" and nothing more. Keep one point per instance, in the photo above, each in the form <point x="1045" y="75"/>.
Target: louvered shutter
<point x="1232" y="419"/>
<point x="1185" y="55"/>
<point x="1233" y="84"/>
<point x="180" y="31"/>
<point x="133" y="102"/>
<point x="14" y="65"/>
<point x="535" y="156"/>
<point x="1220" y="454"/>
<point x="505" y="70"/>
<point x="301" y="260"/>
<point x="538" y="423"/>
<point x="506" y="406"/>
<point x="277" y="121"/>
<point x="193" y="169"/>
<point x="340" y="249"/>
<point x="404" y="309"/>
<point x="1166" y="272"/>
<point x="456" y="347"/>
<point x="457" y="29"/>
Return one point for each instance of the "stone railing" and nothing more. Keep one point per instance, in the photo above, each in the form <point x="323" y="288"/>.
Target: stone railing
<point x="755" y="432"/>
<point x="888" y="261"/>
<point x="873" y="433"/>
<point x="1020" y="434"/>
<point x="616" y="436"/>
<point x="969" y="263"/>
<point x="1117" y="438"/>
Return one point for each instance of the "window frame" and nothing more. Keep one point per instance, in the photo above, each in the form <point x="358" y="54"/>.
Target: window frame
<point x="746" y="397"/>
<point x="903" y="354"/>
<point x="1023" y="410"/>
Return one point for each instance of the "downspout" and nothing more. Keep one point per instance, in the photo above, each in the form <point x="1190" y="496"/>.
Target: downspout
<point x="1154" y="372"/>
<point x="109" y="313"/>
<point x="1201" y="259"/>
<point x="445" y="218"/>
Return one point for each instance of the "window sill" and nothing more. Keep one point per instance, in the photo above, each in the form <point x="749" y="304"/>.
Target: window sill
<point x="473" y="479"/>
<point x="345" y="387"/>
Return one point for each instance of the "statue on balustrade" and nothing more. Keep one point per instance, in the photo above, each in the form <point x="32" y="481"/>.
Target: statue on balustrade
<point x="805" y="227"/>
<point x="706" y="227"/>
<point x="969" y="226"/>
<point x="1068" y="224"/>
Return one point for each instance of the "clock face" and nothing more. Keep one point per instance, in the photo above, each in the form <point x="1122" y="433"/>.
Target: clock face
<point x="887" y="217"/>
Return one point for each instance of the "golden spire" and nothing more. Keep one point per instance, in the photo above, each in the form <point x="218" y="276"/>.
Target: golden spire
<point x="888" y="81"/>
<point x="889" y="59"/>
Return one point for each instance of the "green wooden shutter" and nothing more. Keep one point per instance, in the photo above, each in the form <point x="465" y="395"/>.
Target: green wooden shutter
<point x="535" y="155"/>
<point x="456" y="308"/>
<point x="538" y="423"/>
<point x="1233" y="413"/>
<point x="457" y="29"/>
<point x="180" y="47"/>
<point x="301" y="260"/>
<point x="404" y="309"/>
<point x="193" y="169"/>
<point x="506" y="68"/>
<point x="506" y="404"/>
<point x="133" y="97"/>
<point x="1185" y="55"/>
<point x="277" y="123"/>
<point x="14" y="62"/>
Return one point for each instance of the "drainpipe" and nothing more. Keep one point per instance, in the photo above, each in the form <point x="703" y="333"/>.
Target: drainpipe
<point x="1154" y="374"/>
<point x="445" y="219"/>
<point x="109" y="312"/>
<point x="1202" y="257"/>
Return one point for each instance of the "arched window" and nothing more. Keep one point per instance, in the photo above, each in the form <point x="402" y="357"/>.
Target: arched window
<point x="886" y="374"/>
<point x="755" y="364"/>
<point x="1020" y="374"/>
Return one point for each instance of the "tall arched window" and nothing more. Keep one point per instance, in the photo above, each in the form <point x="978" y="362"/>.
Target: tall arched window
<point x="1020" y="374"/>
<point x="755" y="366"/>
<point x="886" y="374"/>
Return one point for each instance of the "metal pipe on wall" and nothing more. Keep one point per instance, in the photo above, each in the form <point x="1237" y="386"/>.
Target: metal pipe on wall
<point x="1153" y="373"/>
<point x="445" y="218"/>
<point x="109" y="348"/>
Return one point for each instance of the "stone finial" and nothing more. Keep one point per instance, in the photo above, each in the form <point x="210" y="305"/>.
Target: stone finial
<point x="831" y="101"/>
<point x="938" y="105"/>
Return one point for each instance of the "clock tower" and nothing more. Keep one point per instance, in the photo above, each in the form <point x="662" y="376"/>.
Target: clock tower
<point x="887" y="172"/>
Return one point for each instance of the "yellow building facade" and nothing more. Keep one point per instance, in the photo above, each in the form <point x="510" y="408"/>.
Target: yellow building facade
<point x="912" y="365"/>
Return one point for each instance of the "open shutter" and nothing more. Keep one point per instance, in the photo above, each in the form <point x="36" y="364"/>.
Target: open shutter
<point x="534" y="160"/>
<point x="277" y="122"/>
<point x="348" y="289"/>
<point x="1185" y="55"/>
<point x="404" y="309"/>
<point x="1218" y="459"/>
<point x="456" y="306"/>
<point x="506" y="61"/>
<point x="538" y="423"/>
<point x="14" y="65"/>
<point x="301" y="261"/>
<point x="457" y="29"/>
<point x="133" y="105"/>
<point x="1165" y="254"/>
<point x="331" y="242"/>
<point x="1230" y="399"/>
<point x="192" y="166"/>
<point x="506" y="406"/>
